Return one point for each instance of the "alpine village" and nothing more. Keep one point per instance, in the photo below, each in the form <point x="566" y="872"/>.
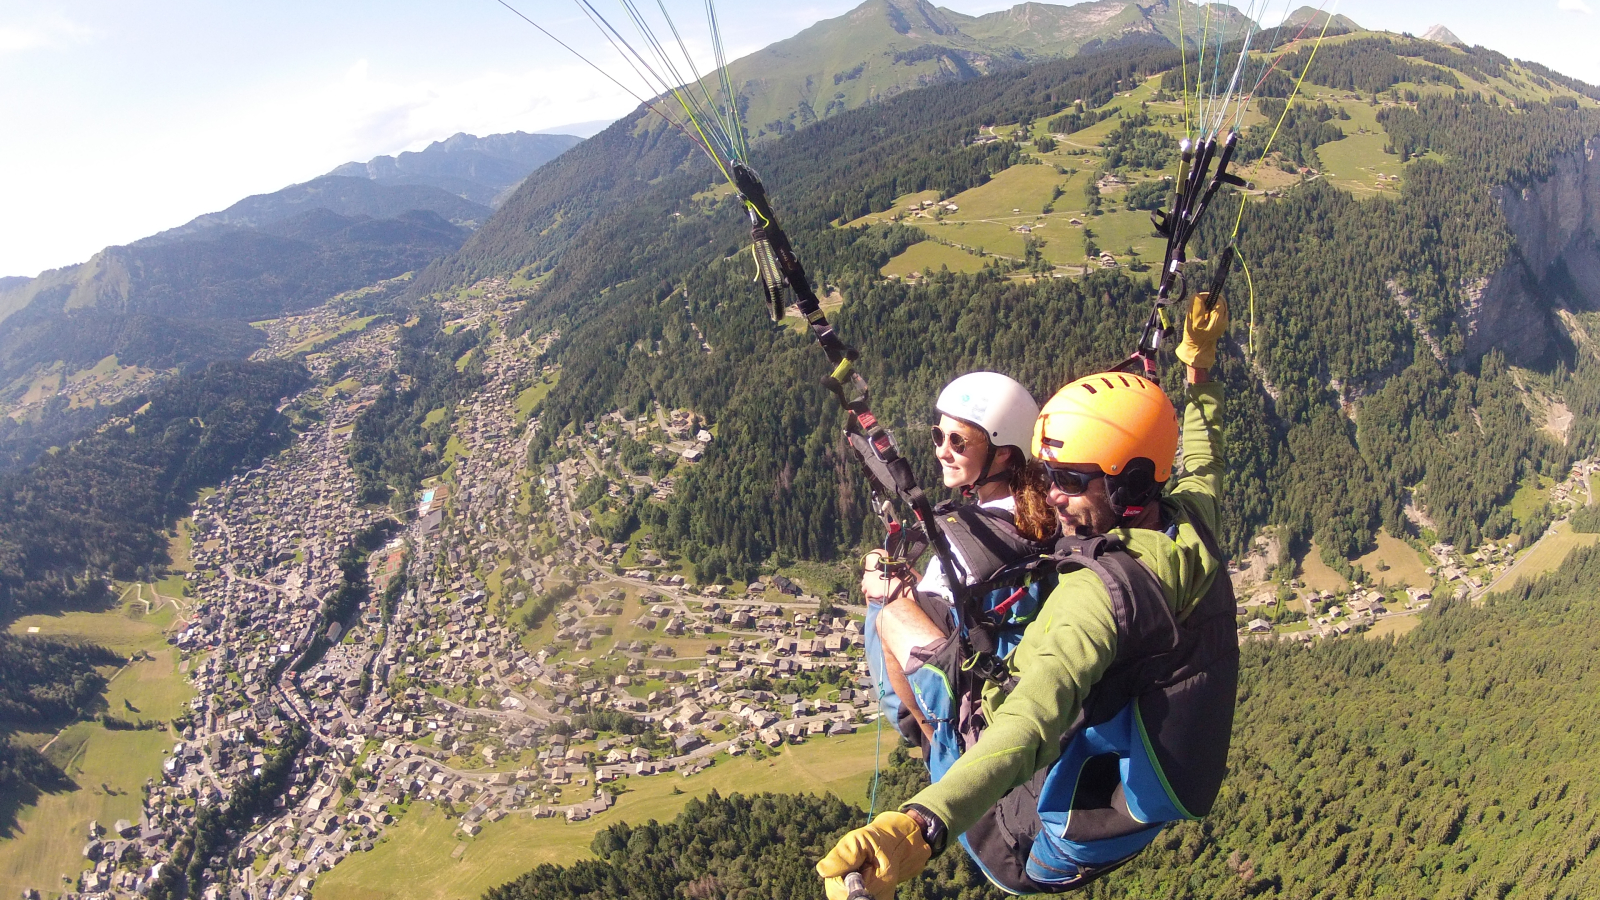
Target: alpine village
<point x="473" y="522"/>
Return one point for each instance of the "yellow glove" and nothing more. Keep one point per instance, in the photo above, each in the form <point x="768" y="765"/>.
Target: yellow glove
<point x="1201" y="331"/>
<point x="887" y="852"/>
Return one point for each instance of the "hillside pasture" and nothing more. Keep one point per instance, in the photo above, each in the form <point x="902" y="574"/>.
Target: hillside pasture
<point x="534" y="394"/>
<point x="420" y="857"/>
<point x="107" y="768"/>
<point x="1544" y="557"/>
<point x="1317" y="576"/>
<point x="1401" y="564"/>
<point x="991" y="238"/>
<point x="932" y="255"/>
<point x="1024" y="188"/>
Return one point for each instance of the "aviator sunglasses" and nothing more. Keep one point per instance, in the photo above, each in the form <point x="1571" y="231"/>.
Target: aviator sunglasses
<point x="1071" y="482"/>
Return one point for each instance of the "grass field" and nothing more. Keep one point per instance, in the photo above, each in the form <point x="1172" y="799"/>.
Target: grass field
<point x="417" y="859"/>
<point x="1357" y="163"/>
<point x="1545" y="557"/>
<point x="1115" y="231"/>
<point x="121" y="629"/>
<point x="108" y="768"/>
<point x="991" y="238"/>
<point x="452" y="449"/>
<point x="1395" y="625"/>
<point x="533" y="395"/>
<point x="1405" y="567"/>
<point x="935" y="256"/>
<point x="1316" y="574"/>
<point x="1023" y="188"/>
<point x="1533" y="493"/>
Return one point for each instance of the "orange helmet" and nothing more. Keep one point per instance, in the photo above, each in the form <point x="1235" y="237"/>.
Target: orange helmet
<point x="1108" y="420"/>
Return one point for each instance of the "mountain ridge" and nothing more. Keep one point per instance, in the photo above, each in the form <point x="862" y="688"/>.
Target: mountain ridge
<point x="885" y="47"/>
<point x="343" y="195"/>
<point x="478" y="169"/>
<point x="265" y="254"/>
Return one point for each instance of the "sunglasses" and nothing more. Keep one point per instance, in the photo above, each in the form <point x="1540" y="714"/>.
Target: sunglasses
<point x="958" y="441"/>
<point x="1070" y="481"/>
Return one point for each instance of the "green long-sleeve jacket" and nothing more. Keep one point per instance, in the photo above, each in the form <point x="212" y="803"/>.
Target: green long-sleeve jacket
<point x="1074" y="639"/>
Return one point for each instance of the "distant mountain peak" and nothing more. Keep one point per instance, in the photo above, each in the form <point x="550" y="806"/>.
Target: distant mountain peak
<point x="1317" y="17"/>
<point x="911" y="17"/>
<point x="1442" y="35"/>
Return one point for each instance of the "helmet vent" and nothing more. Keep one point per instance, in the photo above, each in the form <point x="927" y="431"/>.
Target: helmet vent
<point x="1090" y="389"/>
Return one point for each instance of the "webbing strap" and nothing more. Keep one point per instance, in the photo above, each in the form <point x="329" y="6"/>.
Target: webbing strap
<point x="1192" y="194"/>
<point x="888" y="471"/>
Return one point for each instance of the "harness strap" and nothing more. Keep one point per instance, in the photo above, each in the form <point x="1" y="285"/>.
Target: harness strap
<point x="1192" y="194"/>
<point x="889" y="472"/>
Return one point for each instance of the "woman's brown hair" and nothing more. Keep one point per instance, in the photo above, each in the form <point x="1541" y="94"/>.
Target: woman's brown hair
<point x="1035" y="519"/>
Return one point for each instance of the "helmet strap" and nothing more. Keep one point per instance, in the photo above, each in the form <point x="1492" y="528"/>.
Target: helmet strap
<point x="1133" y="490"/>
<point x="970" y="490"/>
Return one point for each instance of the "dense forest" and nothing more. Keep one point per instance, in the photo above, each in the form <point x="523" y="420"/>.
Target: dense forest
<point x="739" y="848"/>
<point x="1335" y="280"/>
<point x="43" y="685"/>
<point x="56" y="424"/>
<point x="1360" y="768"/>
<point x="400" y="439"/>
<point x="102" y="505"/>
<point x="45" y="682"/>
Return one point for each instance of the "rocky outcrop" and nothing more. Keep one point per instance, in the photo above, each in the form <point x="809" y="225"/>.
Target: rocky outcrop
<point x="1556" y="264"/>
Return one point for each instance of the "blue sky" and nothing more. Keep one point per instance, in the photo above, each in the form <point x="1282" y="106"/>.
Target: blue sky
<point x="122" y="119"/>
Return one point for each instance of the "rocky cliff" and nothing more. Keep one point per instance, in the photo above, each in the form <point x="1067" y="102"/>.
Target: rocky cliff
<point x="1555" y="264"/>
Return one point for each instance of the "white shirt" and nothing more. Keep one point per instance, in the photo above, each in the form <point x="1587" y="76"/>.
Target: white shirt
<point x="934" y="581"/>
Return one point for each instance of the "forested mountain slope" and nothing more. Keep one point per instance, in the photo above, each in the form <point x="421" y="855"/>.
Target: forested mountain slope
<point x="185" y="302"/>
<point x="885" y="47"/>
<point x="1359" y="768"/>
<point x="1377" y="372"/>
<point x="182" y="298"/>
<point x="103" y="504"/>
<point x="339" y="193"/>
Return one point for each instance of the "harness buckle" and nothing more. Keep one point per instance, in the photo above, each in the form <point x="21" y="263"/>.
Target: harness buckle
<point x="989" y="667"/>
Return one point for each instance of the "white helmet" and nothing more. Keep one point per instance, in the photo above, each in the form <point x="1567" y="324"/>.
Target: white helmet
<point x="999" y="405"/>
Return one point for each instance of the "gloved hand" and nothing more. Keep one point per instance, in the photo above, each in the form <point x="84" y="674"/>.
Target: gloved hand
<point x="887" y="852"/>
<point x="1201" y="332"/>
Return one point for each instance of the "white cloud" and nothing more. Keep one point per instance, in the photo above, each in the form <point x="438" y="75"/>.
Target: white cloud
<point x="366" y="113"/>
<point x="42" y="31"/>
<point x="198" y="160"/>
<point x="1574" y="6"/>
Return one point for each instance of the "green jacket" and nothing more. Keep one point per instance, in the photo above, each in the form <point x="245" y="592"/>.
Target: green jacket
<point x="1073" y="640"/>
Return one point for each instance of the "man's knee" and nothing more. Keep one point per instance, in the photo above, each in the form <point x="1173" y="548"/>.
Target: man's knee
<point x="905" y="627"/>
